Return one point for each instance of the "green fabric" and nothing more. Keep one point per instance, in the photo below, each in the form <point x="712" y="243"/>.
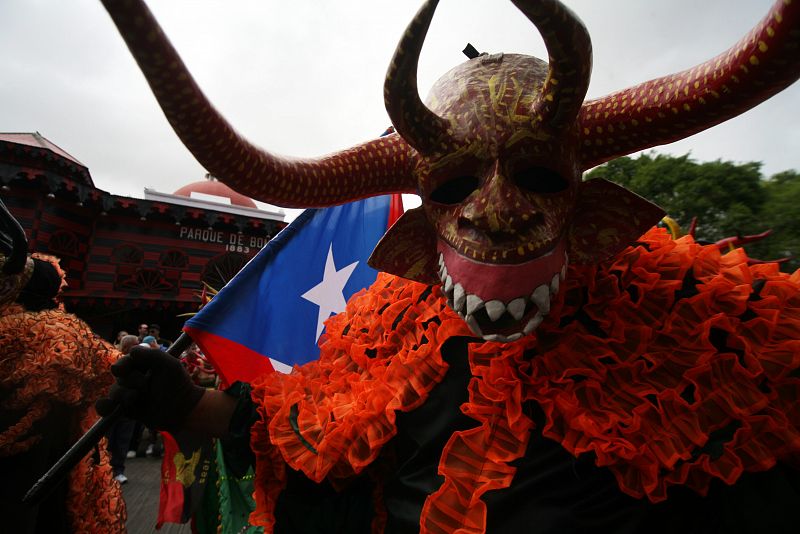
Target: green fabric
<point x="239" y="458"/>
<point x="226" y="510"/>
<point x="206" y="516"/>
<point x="235" y="498"/>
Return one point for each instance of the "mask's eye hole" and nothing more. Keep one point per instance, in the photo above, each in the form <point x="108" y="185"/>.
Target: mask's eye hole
<point x="455" y="190"/>
<point x="540" y="180"/>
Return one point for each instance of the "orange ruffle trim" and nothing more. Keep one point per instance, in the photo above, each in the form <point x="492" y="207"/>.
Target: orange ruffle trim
<point x="671" y="363"/>
<point x="52" y="357"/>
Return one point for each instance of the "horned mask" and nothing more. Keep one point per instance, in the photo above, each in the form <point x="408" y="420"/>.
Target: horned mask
<point x="496" y="153"/>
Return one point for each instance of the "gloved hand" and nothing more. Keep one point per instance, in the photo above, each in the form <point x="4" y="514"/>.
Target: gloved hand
<point x="152" y="387"/>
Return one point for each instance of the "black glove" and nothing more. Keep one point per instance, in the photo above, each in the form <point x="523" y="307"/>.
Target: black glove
<point x="152" y="387"/>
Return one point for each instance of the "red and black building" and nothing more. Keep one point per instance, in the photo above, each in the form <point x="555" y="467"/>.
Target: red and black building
<point x="129" y="260"/>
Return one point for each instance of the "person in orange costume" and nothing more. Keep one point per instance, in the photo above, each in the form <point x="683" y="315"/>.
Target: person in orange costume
<point x="52" y="369"/>
<point x="535" y="357"/>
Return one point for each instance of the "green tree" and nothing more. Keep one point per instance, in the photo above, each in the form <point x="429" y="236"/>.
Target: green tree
<point x="728" y="199"/>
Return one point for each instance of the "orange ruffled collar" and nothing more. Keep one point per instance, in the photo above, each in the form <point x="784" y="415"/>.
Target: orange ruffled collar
<point x="645" y="361"/>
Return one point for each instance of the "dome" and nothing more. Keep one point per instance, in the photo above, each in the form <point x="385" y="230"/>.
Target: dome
<point x="205" y="189"/>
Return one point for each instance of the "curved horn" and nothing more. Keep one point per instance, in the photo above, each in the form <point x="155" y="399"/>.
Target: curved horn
<point x="372" y="168"/>
<point x="418" y="125"/>
<point x="570" y="61"/>
<point x="15" y="262"/>
<point x="666" y="109"/>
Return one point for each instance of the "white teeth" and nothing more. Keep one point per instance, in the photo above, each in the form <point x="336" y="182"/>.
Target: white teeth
<point x="554" y="284"/>
<point x="448" y="285"/>
<point x="500" y="338"/>
<point x="517" y="308"/>
<point x="541" y="297"/>
<point x="474" y="303"/>
<point x="473" y="324"/>
<point x="459" y="297"/>
<point x="441" y="260"/>
<point x="534" y="323"/>
<point x="443" y="272"/>
<point x="494" y="309"/>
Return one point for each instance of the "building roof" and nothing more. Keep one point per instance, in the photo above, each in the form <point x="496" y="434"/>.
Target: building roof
<point x="36" y="139"/>
<point x="215" y="191"/>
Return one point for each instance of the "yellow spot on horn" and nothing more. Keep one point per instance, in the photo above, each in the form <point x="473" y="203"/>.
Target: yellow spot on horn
<point x="778" y="18"/>
<point x="762" y="46"/>
<point x="753" y="60"/>
<point x="687" y="107"/>
<point x="770" y="31"/>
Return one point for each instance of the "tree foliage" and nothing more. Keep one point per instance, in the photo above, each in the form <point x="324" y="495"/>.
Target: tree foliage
<point x="728" y="199"/>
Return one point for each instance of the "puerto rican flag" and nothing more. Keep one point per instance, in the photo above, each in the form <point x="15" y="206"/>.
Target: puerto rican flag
<point x="271" y="315"/>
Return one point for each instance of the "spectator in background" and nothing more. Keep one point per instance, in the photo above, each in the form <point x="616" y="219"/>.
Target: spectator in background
<point x="120" y="434"/>
<point x="155" y="331"/>
<point x="199" y="368"/>
<point x="143" y="331"/>
<point x="150" y="341"/>
<point x="118" y="341"/>
<point x="154" y="446"/>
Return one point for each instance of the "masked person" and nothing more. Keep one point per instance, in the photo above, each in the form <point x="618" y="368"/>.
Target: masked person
<point x="535" y="356"/>
<point x="52" y="369"/>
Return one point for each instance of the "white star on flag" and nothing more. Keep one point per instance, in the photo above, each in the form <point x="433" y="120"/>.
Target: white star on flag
<point x="329" y="294"/>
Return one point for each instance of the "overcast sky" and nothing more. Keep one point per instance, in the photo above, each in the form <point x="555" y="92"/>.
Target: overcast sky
<point x="305" y="77"/>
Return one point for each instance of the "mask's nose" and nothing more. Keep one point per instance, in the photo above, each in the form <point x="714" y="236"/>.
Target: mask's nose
<point x="498" y="209"/>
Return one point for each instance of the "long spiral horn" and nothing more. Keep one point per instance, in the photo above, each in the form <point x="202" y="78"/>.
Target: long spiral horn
<point x="372" y="168"/>
<point x="764" y="62"/>
<point x="570" y="61"/>
<point x="418" y="125"/>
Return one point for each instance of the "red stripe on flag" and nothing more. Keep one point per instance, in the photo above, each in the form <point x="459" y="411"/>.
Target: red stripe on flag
<point x="232" y="361"/>
<point x="395" y="209"/>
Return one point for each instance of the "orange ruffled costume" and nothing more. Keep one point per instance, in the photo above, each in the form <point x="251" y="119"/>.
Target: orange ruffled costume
<point x="644" y="360"/>
<point x="50" y="358"/>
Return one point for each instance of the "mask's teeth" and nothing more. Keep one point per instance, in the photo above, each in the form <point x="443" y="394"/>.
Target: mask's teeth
<point x="474" y="303"/>
<point x="500" y="338"/>
<point x="541" y="297"/>
<point x="554" y="284"/>
<point x="495" y="309"/>
<point x="533" y="324"/>
<point x="473" y="325"/>
<point x="459" y="298"/>
<point x="517" y="308"/>
<point x="448" y="285"/>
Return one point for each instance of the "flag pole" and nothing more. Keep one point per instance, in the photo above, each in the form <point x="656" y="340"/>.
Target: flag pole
<point x="88" y="441"/>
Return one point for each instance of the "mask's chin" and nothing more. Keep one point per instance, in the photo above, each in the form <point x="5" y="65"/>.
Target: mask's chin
<point x="501" y="302"/>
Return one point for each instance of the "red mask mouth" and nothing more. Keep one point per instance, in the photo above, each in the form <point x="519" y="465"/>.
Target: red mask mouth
<point x="501" y="302"/>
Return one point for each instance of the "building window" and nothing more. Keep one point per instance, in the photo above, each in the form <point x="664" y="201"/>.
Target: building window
<point x="220" y="269"/>
<point x="63" y="243"/>
<point x="127" y="253"/>
<point x="173" y="259"/>
<point x="146" y="281"/>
